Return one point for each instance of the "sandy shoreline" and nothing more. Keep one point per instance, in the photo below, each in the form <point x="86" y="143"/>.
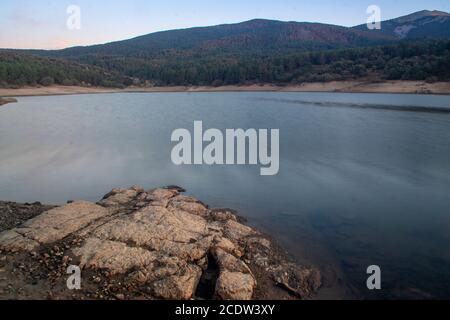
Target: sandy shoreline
<point x="414" y="87"/>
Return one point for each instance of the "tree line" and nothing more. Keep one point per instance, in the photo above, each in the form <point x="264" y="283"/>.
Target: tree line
<point x="413" y="60"/>
<point x="18" y="70"/>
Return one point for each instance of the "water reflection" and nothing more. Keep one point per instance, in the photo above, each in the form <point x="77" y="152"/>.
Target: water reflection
<point x="357" y="186"/>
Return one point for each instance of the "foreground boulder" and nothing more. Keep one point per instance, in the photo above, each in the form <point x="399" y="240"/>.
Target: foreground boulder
<point x="156" y="244"/>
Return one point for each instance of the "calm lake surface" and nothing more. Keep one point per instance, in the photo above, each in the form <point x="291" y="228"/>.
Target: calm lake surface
<point x="361" y="182"/>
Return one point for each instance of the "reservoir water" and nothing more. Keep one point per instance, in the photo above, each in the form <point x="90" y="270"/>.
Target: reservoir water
<point x="364" y="178"/>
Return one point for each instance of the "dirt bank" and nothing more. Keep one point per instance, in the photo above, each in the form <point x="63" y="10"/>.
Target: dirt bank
<point x="7" y="100"/>
<point x="415" y="87"/>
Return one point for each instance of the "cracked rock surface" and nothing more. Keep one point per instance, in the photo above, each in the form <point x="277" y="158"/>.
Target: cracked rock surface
<point x="155" y="244"/>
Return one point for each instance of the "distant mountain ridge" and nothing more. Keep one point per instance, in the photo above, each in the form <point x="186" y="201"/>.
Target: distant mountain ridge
<point x="413" y="47"/>
<point x="262" y="36"/>
<point x="249" y="36"/>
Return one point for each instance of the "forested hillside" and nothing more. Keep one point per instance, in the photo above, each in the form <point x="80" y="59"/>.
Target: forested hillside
<point x="17" y="70"/>
<point x="407" y="61"/>
<point x="428" y="60"/>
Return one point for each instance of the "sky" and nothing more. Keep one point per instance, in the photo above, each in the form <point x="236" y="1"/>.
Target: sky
<point x="42" y="24"/>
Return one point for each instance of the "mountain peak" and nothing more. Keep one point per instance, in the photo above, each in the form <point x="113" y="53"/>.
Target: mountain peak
<point x="419" y="15"/>
<point x="265" y="35"/>
<point x="438" y="13"/>
<point x="418" y="25"/>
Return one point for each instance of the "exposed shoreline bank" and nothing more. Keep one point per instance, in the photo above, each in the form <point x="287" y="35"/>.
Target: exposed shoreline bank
<point x="144" y="244"/>
<point x="4" y="101"/>
<point x="408" y="87"/>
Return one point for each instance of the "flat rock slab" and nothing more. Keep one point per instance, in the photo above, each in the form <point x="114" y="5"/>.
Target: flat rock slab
<point x="156" y="244"/>
<point x="51" y="226"/>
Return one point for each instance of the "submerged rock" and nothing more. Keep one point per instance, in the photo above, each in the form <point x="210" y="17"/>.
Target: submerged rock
<point x="156" y="244"/>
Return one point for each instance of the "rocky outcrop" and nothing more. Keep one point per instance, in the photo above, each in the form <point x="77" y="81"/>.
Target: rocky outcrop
<point x="155" y="244"/>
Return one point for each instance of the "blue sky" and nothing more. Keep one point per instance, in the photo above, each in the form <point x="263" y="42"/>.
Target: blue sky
<point x="42" y="23"/>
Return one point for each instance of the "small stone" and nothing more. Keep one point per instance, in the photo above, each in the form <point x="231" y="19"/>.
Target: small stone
<point x="138" y="189"/>
<point x="120" y="296"/>
<point x="176" y="188"/>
